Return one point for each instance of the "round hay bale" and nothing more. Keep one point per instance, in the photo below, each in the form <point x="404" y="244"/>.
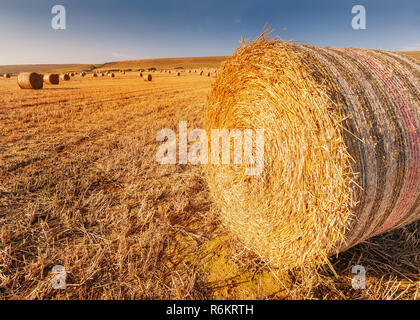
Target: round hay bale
<point x="141" y="74"/>
<point x="72" y="74"/>
<point x="341" y="160"/>
<point x="83" y="74"/>
<point x="65" y="77"/>
<point x="147" y="77"/>
<point x="6" y="76"/>
<point x="30" y="80"/>
<point x="112" y="75"/>
<point x="94" y="75"/>
<point x="208" y="74"/>
<point x="102" y="74"/>
<point x="201" y="72"/>
<point x="51" y="78"/>
<point x="178" y="74"/>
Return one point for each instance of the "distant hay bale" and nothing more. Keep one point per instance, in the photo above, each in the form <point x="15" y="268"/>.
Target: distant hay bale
<point x="72" y="74"/>
<point x="6" y="76"/>
<point x="102" y="74"/>
<point x="94" y="75"/>
<point x="201" y="72"/>
<point x="341" y="160"/>
<point x="178" y="74"/>
<point x="83" y="74"/>
<point x="51" y="78"/>
<point x="141" y="74"/>
<point x="30" y="80"/>
<point x="112" y="75"/>
<point x="65" y="77"/>
<point x="147" y="77"/>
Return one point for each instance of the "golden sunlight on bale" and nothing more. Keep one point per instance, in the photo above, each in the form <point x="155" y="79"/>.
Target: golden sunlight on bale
<point x="51" y="78"/>
<point x="30" y="80"/>
<point x="147" y="77"/>
<point x="341" y="157"/>
<point x="6" y="76"/>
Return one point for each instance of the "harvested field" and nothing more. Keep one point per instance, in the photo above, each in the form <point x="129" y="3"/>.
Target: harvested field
<point x="80" y="187"/>
<point x="43" y="68"/>
<point x="412" y="54"/>
<point x="166" y="63"/>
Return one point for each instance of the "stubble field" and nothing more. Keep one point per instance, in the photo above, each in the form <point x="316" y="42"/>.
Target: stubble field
<point x="80" y="187"/>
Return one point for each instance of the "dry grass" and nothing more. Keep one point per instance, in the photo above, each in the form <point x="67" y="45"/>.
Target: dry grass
<point x="80" y="187"/>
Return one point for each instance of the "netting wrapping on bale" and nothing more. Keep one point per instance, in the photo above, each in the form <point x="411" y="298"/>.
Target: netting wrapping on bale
<point x="341" y="147"/>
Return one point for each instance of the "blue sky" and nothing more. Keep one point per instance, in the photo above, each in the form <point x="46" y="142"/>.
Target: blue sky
<point x="100" y="31"/>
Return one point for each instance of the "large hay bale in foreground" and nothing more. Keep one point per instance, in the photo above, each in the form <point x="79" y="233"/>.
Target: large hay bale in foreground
<point x="51" y="78"/>
<point x="147" y="77"/>
<point x="341" y="148"/>
<point x="30" y="80"/>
